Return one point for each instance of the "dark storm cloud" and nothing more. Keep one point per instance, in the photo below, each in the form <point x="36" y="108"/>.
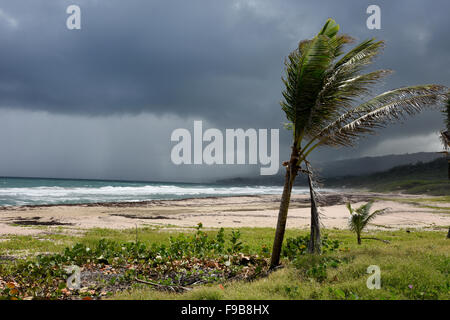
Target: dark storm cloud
<point x="191" y="57"/>
<point x="183" y="57"/>
<point x="165" y="61"/>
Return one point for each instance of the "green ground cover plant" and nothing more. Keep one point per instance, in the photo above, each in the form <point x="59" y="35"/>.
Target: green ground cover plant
<point x="414" y="265"/>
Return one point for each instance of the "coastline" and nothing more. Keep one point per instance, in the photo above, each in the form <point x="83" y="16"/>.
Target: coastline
<point x="215" y="212"/>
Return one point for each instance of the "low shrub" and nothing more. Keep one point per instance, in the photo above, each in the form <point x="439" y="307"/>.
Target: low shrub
<point x="299" y="246"/>
<point x="110" y="266"/>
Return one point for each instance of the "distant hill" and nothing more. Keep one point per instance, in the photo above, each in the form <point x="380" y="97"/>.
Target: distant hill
<point x="342" y="168"/>
<point x="366" y="165"/>
<point x="420" y="178"/>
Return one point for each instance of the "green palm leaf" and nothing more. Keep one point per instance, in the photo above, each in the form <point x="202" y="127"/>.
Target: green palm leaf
<point x="378" y="112"/>
<point x="306" y="69"/>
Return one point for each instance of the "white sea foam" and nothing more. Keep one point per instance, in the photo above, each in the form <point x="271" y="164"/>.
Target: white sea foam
<point x="51" y="195"/>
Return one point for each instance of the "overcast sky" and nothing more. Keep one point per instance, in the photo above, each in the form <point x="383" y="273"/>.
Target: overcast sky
<point x="101" y="102"/>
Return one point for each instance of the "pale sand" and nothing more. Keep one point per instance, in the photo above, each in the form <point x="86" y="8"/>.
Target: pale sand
<point x="247" y="211"/>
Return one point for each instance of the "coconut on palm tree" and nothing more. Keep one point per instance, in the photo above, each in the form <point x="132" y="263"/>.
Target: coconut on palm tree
<point x="322" y="86"/>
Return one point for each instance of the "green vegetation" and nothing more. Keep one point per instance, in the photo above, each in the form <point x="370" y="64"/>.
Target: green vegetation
<point x="298" y="246"/>
<point x="414" y="265"/>
<point x="360" y="218"/>
<point x="185" y="260"/>
<point x="420" y="178"/>
<point x="433" y="188"/>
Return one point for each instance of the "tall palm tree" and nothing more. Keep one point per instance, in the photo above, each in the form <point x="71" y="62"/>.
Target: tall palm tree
<point x="360" y="218"/>
<point x="322" y="85"/>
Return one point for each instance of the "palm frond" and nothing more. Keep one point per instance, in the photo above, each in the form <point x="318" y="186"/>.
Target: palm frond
<point x="329" y="29"/>
<point x="365" y="209"/>
<point x="349" y="207"/>
<point x="372" y="216"/>
<point x="336" y="42"/>
<point x="306" y="69"/>
<point x="362" y="54"/>
<point x="304" y="80"/>
<point x="378" y="112"/>
<point x="343" y="84"/>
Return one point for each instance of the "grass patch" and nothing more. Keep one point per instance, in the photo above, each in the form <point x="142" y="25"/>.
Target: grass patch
<point x="34" y="245"/>
<point x="415" y="265"/>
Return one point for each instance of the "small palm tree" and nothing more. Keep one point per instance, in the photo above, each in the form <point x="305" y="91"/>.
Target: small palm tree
<point x="361" y="217"/>
<point x="322" y="86"/>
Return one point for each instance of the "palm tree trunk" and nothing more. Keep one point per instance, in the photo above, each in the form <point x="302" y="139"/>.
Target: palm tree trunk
<point x="359" y="238"/>
<point x="448" y="167"/>
<point x="291" y="173"/>
<point x="448" y="234"/>
<point x="314" y="238"/>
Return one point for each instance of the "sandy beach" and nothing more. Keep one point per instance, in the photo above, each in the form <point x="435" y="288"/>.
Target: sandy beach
<point x="242" y="211"/>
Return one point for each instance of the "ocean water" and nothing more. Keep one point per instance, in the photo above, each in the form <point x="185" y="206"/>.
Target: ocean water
<point x="33" y="191"/>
